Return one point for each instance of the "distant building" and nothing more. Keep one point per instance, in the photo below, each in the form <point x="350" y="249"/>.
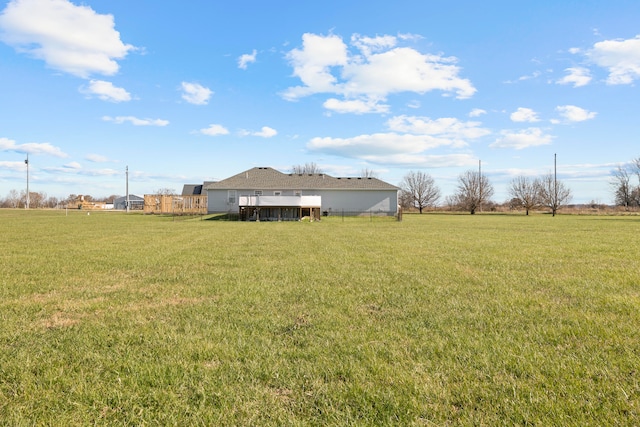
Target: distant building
<point x="135" y="203"/>
<point x="195" y="189"/>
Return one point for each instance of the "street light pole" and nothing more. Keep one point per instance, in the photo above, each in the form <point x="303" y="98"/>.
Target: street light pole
<point x="26" y="162"/>
<point x="127" y="174"/>
<point x="480" y="184"/>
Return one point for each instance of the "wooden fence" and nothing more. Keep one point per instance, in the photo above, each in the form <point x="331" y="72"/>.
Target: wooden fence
<point x="176" y="205"/>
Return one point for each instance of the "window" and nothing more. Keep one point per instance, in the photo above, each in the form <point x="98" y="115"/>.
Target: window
<point x="231" y="197"/>
<point x="258" y="193"/>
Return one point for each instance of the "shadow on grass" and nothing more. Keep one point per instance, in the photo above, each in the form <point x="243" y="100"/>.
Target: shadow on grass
<point x="223" y="217"/>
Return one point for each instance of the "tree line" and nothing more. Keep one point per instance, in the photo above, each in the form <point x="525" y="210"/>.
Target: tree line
<point x="418" y="190"/>
<point x="38" y="199"/>
<point x="474" y="190"/>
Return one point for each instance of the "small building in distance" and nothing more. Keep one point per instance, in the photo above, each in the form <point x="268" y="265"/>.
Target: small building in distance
<point x="135" y="203"/>
<point x="195" y="189"/>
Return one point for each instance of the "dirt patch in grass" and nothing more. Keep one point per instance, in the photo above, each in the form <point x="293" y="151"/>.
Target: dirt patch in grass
<point x="59" y="320"/>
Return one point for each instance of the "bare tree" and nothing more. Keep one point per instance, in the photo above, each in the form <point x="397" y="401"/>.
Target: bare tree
<point x="474" y="189"/>
<point x="622" y="188"/>
<point x="553" y="193"/>
<point x="636" y="165"/>
<point x="526" y="191"/>
<point x="36" y="199"/>
<point x="368" y="173"/>
<point x="13" y="198"/>
<point x="307" y="168"/>
<point x="419" y="190"/>
<point x="451" y="202"/>
<point x="51" y="202"/>
<point x="166" y="192"/>
<point x="405" y="200"/>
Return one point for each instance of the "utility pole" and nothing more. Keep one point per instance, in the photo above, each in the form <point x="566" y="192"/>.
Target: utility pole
<point x="554" y="202"/>
<point x="127" y="176"/>
<point x="480" y="184"/>
<point x="26" y="162"/>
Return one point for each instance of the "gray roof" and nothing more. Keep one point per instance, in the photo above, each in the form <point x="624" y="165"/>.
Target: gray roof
<point x="191" y="189"/>
<point x="194" y="189"/>
<point x="264" y="178"/>
<point x="132" y="198"/>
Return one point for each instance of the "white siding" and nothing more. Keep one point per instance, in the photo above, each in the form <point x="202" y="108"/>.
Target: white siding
<point x="376" y="201"/>
<point x="335" y="201"/>
<point x="217" y="201"/>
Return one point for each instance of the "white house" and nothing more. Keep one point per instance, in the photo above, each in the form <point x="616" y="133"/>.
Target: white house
<point x="265" y="193"/>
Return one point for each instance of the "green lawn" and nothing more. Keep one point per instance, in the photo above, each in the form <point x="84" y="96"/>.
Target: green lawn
<point x="125" y="319"/>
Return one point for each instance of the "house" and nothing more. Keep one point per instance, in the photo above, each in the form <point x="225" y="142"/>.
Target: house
<point x="264" y="193"/>
<point x="135" y="202"/>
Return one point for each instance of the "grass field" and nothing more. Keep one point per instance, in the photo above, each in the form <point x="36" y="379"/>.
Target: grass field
<point x="116" y="319"/>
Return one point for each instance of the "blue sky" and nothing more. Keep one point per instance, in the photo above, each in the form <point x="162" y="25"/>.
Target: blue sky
<point x="191" y="91"/>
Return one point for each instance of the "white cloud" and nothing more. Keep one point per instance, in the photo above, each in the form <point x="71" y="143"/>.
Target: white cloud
<point x="14" y="166"/>
<point x="406" y="143"/>
<point x="380" y="144"/>
<point x="247" y="59"/>
<point x="42" y="148"/>
<point x="73" y="165"/>
<point x="424" y="160"/>
<point x="31" y="148"/>
<point x="312" y="64"/>
<point x="577" y="76"/>
<point x="76" y="169"/>
<point x="377" y="69"/>
<point x="106" y="91"/>
<point x="73" y="39"/>
<point x="7" y="144"/>
<point x="96" y="158"/>
<point x="136" y="121"/>
<point x="571" y="113"/>
<point x="214" y="130"/>
<point x="477" y="112"/>
<point x="531" y="76"/>
<point x="452" y="129"/>
<point x="195" y="93"/>
<point x="265" y="132"/>
<point x="531" y="137"/>
<point x="390" y="148"/>
<point x="355" y="106"/>
<point x="524" y="115"/>
<point x="404" y="70"/>
<point x="368" y="45"/>
<point x="620" y="57"/>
